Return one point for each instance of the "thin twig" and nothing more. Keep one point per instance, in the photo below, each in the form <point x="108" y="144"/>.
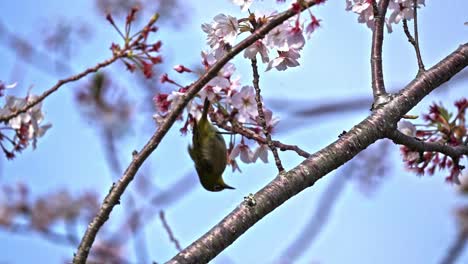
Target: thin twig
<point x="252" y="135"/>
<point x="118" y="188"/>
<point x="455" y="152"/>
<point x="378" y="85"/>
<point x="416" y="37"/>
<point x="261" y="115"/>
<point x="169" y="231"/>
<point x="54" y="88"/>
<point x="456" y="248"/>
<point x="414" y="43"/>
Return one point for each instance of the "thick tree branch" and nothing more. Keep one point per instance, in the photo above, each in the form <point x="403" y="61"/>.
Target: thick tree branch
<point x="119" y="187"/>
<point x="306" y="174"/>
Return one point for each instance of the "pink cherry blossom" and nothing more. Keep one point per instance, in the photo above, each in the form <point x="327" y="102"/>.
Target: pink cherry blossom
<point x="242" y="150"/>
<point x="284" y="60"/>
<point x="261" y="152"/>
<point x="244" y="4"/>
<point x="257" y="47"/>
<point x="245" y="103"/>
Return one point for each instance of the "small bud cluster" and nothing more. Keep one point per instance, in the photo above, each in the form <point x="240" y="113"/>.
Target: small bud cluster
<point x="442" y="127"/>
<point x="18" y="132"/>
<point x="136" y="52"/>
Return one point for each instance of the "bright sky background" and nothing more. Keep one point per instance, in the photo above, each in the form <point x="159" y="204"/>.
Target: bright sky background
<point x="408" y="219"/>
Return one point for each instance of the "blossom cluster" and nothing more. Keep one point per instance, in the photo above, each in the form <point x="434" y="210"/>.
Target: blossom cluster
<point x="442" y="127"/>
<point x="25" y="128"/>
<point x="233" y="103"/>
<point x="399" y="10"/>
<point x="287" y="39"/>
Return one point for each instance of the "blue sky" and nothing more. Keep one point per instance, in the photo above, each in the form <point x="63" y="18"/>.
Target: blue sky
<point x="408" y="219"/>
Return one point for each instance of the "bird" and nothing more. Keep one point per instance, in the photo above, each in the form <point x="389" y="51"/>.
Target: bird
<point x="208" y="152"/>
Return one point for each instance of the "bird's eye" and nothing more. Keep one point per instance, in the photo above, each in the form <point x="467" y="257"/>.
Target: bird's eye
<point x="217" y="188"/>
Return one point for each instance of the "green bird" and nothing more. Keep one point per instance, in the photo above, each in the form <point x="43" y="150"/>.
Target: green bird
<point x="208" y="152"/>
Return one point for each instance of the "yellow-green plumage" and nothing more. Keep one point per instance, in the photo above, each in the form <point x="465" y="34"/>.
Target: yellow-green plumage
<point x="208" y="152"/>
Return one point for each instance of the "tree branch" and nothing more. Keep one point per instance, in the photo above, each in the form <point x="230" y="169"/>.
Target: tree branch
<point x="54" y="88"/>
<point x="453" y="151"/>
<point x="252" y="135"/>
<point x="414" y="41"/>
<point x="261" y="115"/>
<point x="378" y="85"/>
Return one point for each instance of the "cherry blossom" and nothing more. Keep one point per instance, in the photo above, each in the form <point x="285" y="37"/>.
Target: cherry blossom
<point x="270" y="120"/>
<point x="208" y="59"/>
<point x="398" y="9"/>
<point x="221" y="32"/>
<point x="295" y="37"/>
<point x="278" y="37"/>
<point x="407" y="128"/>
<point x="284" y="60"/>
<point x="210" y="92"/>
<point x="312" y="26"/>
<point x="245" y="103"/>
<point x="402" y="9"/>
<point x="257" y="47"/>
<point x="27" y="125"/>
<point x="261" y="152"/>
<point x="6" y="86"/>
<point x="244" y="4"/>
<point x="243" y="151"/>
